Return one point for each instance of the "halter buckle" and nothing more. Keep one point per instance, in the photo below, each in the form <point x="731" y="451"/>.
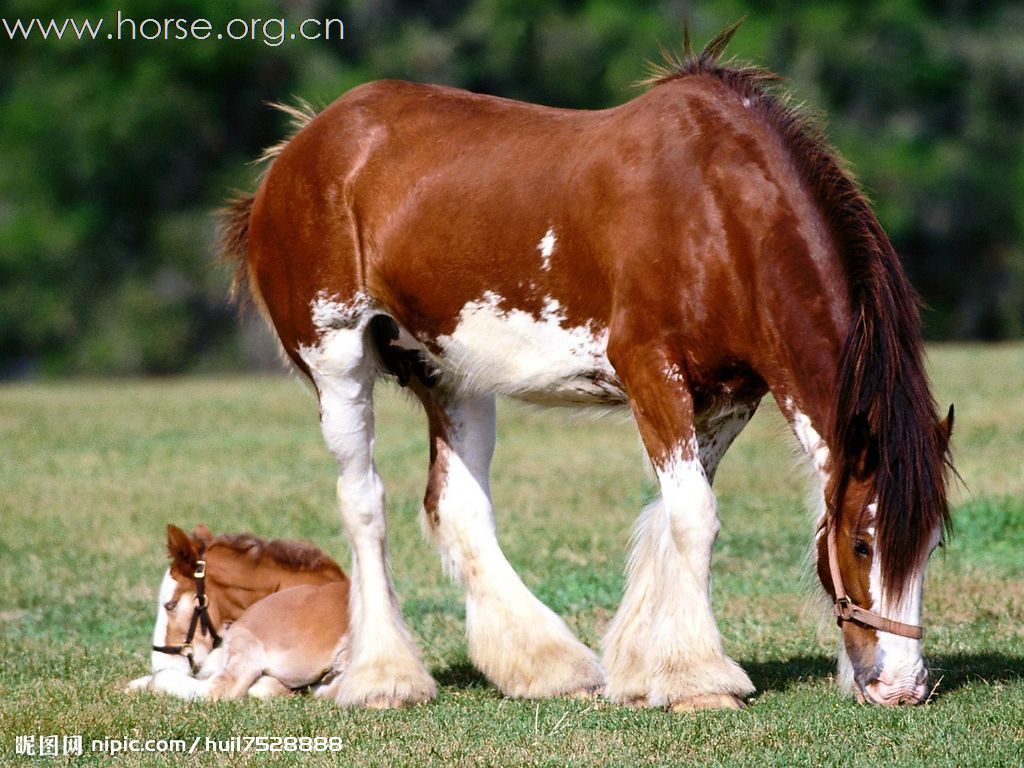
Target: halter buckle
<point x="843" y="609"/>
<point x="200" y="570"/>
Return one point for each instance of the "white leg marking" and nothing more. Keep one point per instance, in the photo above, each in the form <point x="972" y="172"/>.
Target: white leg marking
<point x="663" y="646"/>
<point x="514" y="639"/>
<point x="385" y="667"/>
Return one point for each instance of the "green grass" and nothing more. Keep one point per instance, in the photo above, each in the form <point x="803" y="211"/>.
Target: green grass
<point x="90" y="472"/>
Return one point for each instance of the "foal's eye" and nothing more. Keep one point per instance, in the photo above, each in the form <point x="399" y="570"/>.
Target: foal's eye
<point x="861" y="549"/>
<point x="170" y="605"/>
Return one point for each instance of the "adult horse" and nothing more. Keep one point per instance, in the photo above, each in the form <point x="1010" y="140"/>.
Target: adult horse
<point x="683" y="254"/>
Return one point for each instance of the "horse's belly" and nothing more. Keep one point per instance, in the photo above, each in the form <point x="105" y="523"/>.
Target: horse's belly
<point x="541" y="357"/>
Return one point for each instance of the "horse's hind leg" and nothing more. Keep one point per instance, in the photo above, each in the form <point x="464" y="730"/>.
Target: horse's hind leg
<point x="663" y="647"/>
<point x="385" y="669"/>
<point x="514" y="639"/>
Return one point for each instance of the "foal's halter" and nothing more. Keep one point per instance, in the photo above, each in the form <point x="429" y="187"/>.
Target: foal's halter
<point x="847" y="610"/>
<point x="200" y="617"/>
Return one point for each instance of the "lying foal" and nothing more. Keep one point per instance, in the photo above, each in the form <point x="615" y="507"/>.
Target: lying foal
<point x="282" y="608"/>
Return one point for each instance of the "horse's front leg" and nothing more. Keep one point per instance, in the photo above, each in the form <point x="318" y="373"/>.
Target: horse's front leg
<point x="663" y="647"/>
<point x="519" y="643"/>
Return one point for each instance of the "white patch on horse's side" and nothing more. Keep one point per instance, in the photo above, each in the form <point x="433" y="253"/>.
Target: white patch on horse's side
<point x="546" y="246"/>
<point x="663" y="645"/>
<point x="536" y="358"/>
<point x="158" y="660"/>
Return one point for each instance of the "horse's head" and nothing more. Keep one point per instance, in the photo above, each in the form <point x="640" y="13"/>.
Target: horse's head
<point x="875" y="572"/>
<point x="179" y="600"/>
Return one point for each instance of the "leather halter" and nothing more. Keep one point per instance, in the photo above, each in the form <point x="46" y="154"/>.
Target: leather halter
<point x="200" y="617"/>
<point x="846" y="610"/>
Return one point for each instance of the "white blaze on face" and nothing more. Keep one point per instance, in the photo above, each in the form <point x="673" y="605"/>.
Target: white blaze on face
<point x="159" y="660"/>
<point x="899" y="657"/>
<point x="546" y="246"/>
<point x="539" y="358"/>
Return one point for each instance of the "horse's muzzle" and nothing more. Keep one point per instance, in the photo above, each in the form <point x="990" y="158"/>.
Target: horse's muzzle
<point x="907" y="691"/>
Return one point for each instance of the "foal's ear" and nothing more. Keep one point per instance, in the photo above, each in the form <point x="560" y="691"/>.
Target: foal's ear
<point x="946" y="426"/>
<point x="202" y="534"/>
<point x="181" y="548"/>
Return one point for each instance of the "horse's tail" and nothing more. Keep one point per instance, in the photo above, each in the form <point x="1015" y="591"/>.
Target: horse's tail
<point x="233" y="241"/>
<point x="233" y="229"/>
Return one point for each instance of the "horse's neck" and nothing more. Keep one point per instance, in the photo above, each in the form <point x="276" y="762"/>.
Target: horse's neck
<point x="236" y="583"/>
<point x="240" y="583"/>
<point x="805" y="362"/>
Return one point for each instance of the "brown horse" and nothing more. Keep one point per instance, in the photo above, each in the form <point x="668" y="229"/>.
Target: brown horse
<point x="684" y="254"/>
<point x="213" y="581"/>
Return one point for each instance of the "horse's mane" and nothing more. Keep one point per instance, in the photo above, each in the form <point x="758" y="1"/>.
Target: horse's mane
<point x="291" y="555"/>
<point x="884" y="422"/>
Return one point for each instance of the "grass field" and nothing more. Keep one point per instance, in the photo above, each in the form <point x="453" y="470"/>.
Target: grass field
<point x="90" y="472"/>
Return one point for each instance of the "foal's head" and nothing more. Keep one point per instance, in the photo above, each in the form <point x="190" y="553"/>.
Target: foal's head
<point x="178" y="601"/>
<point x="882" y="538"/>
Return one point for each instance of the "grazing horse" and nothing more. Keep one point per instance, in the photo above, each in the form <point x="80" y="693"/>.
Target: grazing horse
<point x="682" y="254"/>
<point x="216" y="583"/>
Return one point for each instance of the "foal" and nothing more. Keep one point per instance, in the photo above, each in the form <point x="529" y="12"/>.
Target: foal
<point x="280" y="605"/>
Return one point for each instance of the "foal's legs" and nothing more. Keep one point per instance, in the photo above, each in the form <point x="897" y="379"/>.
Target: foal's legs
<point x="663" y="646"/>
<point x="385" y="669"/>
<point x="514" y="639"/>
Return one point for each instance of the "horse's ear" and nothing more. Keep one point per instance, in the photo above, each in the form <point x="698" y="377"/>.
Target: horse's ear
<point x="202" y="534"/>
<point x="181" y="548"/>
<point x="946" y="426"/>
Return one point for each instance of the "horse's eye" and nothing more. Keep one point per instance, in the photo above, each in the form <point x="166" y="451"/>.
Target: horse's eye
<point x="170" y="605"/>
<point x="861" y="549"/>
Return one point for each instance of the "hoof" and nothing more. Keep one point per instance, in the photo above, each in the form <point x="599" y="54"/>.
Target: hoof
<point x="708" y="701"/>
<point x="374" y="690"/>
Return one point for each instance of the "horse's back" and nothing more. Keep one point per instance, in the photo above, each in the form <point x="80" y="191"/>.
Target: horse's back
<point x="508" y="237"/>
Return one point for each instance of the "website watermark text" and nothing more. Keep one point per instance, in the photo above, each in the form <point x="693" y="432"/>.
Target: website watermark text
<point x="271" y="32"/>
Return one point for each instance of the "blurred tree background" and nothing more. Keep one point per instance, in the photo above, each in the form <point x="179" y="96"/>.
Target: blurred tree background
<point x="114" y="153"/>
